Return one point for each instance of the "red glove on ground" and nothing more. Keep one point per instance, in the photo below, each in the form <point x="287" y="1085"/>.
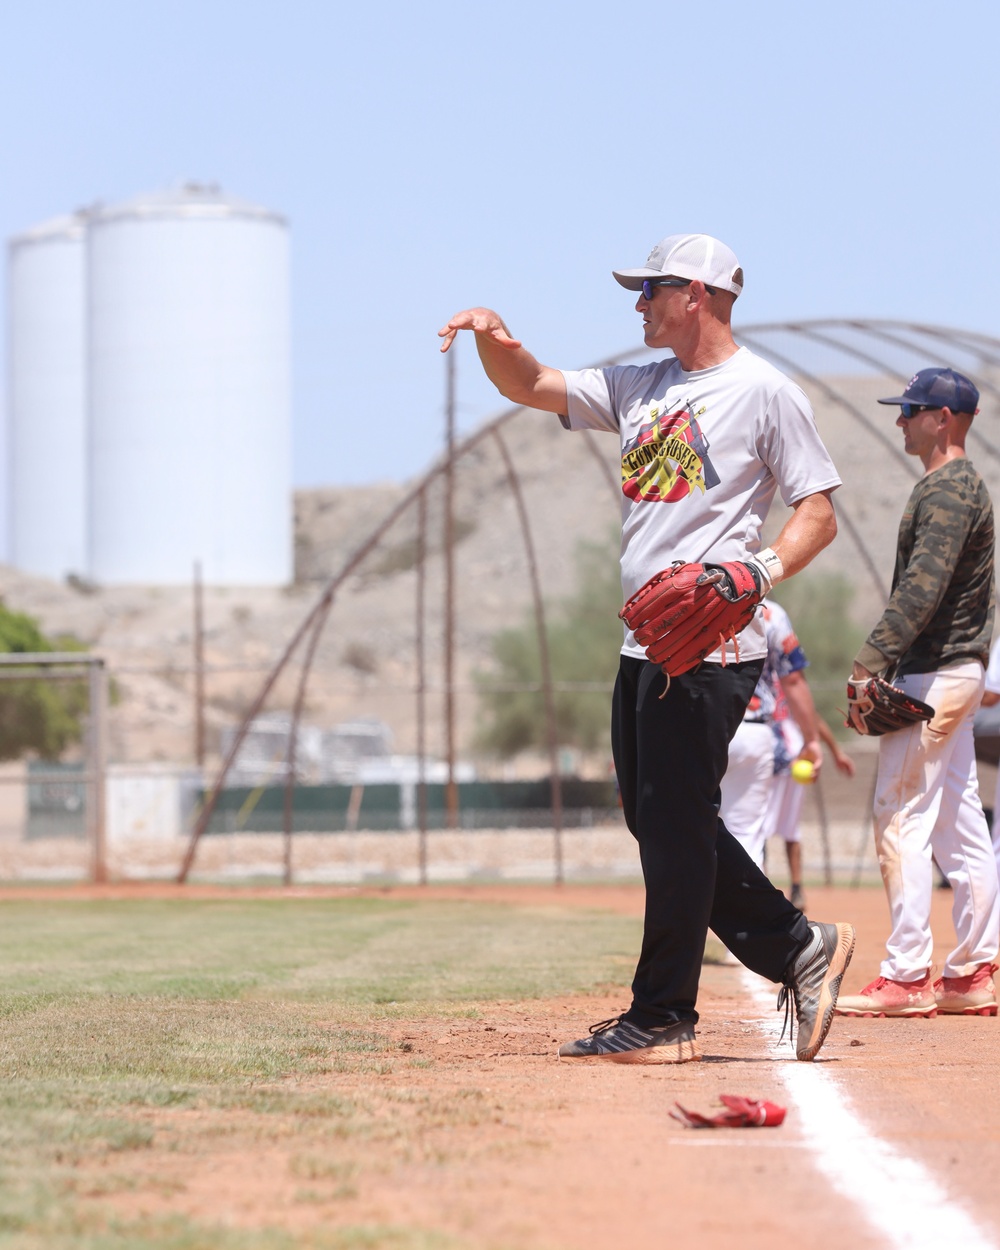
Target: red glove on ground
<point x="740" y="1112"/>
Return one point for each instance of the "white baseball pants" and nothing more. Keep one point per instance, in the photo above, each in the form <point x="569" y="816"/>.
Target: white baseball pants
<point x="746" y="787"/>
<point x="996" y="823"/>
<point x="927" y="802"/>
<point x="785" y="808"/>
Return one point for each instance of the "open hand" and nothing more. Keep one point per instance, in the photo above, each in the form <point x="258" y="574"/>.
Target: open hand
<point x="482" y="321"/>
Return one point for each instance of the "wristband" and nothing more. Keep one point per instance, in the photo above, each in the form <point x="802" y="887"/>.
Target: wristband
<point x="769" y="563"/>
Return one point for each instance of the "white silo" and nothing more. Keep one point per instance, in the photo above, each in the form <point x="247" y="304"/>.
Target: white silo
<point x="189" y="391"/>
<point x="47" y="398"/>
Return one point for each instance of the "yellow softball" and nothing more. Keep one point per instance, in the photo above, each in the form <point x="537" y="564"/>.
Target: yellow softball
<point x="802" y="770"/>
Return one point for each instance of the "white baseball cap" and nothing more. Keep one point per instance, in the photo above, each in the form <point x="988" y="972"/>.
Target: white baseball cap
<point x="688" y="256"/>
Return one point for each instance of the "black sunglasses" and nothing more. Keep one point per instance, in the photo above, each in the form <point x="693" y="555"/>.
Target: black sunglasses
<point x="911" y="410"/>
<point x="649" y="283"/>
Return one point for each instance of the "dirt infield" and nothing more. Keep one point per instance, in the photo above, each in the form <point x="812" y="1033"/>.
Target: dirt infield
<point x="519" y="1150"/>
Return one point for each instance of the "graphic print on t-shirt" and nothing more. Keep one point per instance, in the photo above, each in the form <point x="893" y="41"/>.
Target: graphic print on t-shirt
<point x="667" y="458"/>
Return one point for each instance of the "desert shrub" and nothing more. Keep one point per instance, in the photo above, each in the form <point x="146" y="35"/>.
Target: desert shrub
<point x="584" y="637"/>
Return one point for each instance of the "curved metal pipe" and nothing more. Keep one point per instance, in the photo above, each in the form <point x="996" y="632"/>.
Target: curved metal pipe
<point x="590" y="440"/>
<point x="844" y="517"/>
<point x="833" y="396"/>
<point x="208" y="808"/>
<point x="852" y="529"/>
<point x="984" y="385"/>
<point x="322" y="604"/>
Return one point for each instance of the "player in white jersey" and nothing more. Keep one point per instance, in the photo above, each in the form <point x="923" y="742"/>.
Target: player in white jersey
<point x="708" y="436"/>
<point x="760" y="798"/>
<point x="787" y="794"/>
<point x="779" y="726"/>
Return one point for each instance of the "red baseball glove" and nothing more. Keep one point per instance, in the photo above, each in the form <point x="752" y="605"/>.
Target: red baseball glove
<point x="687" y="611"/>
<point x="739" y="1112"/>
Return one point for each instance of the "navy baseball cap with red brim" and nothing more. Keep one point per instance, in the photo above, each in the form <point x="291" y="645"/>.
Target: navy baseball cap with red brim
<point x="939" y="388"/>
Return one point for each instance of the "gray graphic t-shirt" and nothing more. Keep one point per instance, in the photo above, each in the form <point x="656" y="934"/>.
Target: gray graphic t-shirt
<point x="702" y="456"/>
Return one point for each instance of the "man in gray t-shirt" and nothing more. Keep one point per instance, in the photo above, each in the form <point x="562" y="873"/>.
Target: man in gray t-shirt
<point x="708" y="436"/>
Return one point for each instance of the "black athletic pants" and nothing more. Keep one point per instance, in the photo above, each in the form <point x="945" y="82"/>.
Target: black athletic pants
<point x="670" y="756"/>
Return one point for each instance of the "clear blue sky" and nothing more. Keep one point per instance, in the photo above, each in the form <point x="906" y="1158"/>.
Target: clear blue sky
<point x="433" y="157"/>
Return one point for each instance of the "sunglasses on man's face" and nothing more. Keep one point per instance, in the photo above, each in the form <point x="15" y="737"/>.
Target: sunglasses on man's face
<point x="649" y="284"/>
<point x="911" y="410"/>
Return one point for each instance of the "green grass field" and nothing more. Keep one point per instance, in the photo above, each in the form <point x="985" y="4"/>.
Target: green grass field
<point x="242" y="1011"/>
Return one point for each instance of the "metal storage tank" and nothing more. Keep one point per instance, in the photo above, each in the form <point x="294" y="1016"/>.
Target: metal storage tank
<point x="47" y="398"/>
<point x="189" y="391"/>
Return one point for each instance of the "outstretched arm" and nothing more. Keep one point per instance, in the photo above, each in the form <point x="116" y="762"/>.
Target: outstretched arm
<point x="511" y="368"/>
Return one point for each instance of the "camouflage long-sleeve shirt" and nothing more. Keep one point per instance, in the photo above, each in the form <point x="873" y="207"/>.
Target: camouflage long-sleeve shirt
<point x="940" y="611"/>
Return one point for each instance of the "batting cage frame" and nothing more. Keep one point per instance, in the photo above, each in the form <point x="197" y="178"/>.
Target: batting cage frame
<point x="823" y="355"/>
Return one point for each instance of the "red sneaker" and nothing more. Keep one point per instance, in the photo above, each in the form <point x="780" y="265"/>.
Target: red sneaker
<point x="891" y="998"/>
<point x="974" y="995"/>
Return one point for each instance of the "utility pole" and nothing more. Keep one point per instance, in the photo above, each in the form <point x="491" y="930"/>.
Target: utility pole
<point x="451" y="795"/>
<point x="199" y="669"/>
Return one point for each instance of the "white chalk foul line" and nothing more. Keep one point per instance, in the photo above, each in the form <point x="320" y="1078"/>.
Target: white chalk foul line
<point x="895" y="1193"/>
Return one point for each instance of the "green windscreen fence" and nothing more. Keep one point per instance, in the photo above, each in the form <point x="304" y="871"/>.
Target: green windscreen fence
<point x="482" y="804"/>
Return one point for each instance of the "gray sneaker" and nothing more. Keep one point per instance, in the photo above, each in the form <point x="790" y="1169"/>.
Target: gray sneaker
<point x="619" y="1041"/>
<point x="814" y="978"/>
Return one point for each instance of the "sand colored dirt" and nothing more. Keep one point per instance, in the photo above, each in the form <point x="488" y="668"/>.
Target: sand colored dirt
<point x="513" y="1148"/>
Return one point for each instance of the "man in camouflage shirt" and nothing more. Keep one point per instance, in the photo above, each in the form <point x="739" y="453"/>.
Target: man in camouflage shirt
<point x="933" y="641"/>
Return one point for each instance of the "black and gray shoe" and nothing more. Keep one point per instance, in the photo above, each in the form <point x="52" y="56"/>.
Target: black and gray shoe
<point x="813" y="979"/>
<point x="620" y="1041"/>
